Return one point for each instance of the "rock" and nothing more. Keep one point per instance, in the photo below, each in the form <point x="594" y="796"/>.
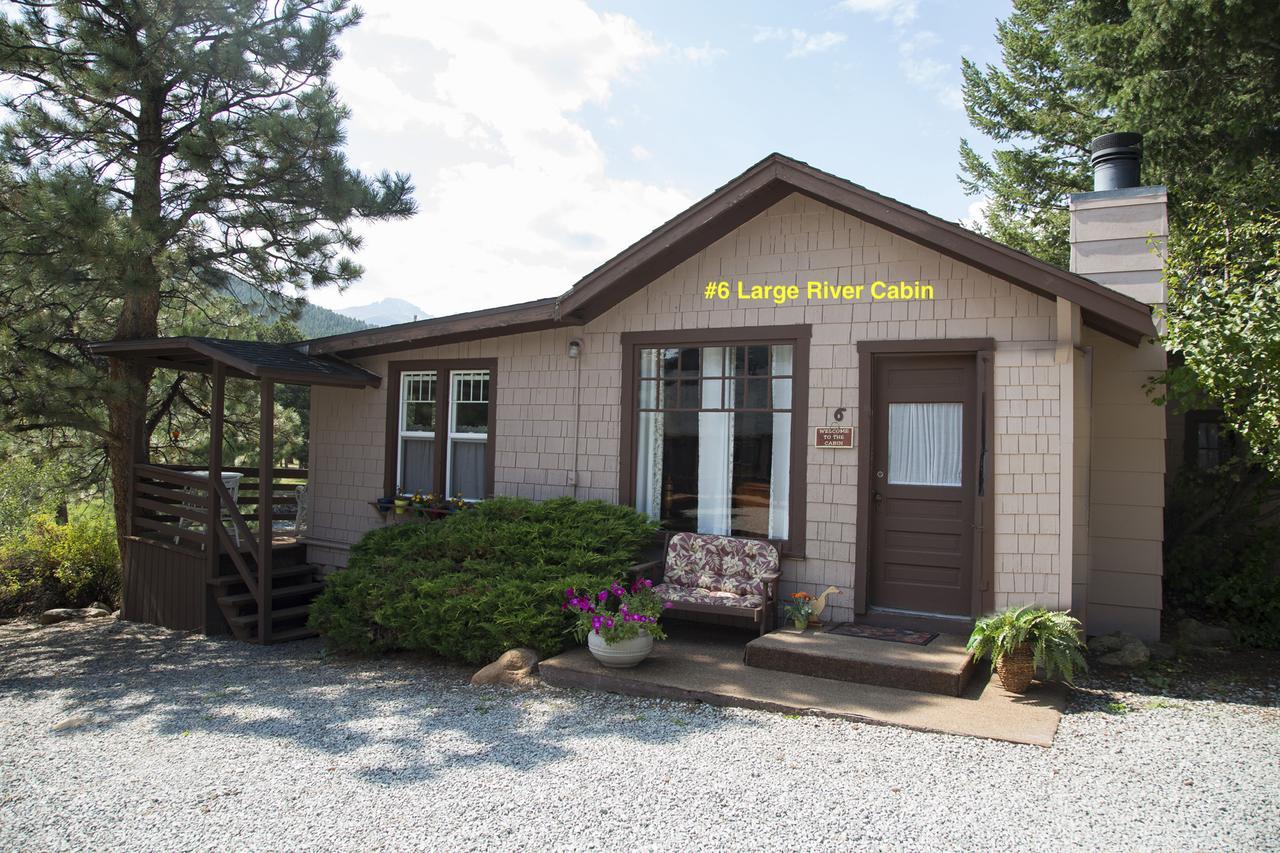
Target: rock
<point x="1162" y="651"/>
<point x="75" y="721"/>
<point x="98" y="605"/>
<point x="1130" y="652"/>
<point x="66" y="614"/>
<point x="514" y="667"/>
<point x="1200" y="635"/>
<point x="1108" y="643"/>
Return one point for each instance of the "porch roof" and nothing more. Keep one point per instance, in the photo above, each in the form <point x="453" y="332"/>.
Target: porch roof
<point x="260" y="360"/>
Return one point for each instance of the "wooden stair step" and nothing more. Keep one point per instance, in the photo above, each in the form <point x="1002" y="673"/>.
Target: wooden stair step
<point x="276" y="592"/>
<point x="278" y="574"/>
<point x="301" y="633"/>
<point x="252" y="619"/>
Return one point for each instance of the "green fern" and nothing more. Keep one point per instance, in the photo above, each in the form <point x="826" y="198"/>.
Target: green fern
<point x="1054" y="637"/>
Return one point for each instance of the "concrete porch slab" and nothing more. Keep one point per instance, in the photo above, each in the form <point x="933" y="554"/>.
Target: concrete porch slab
<point x="942" y="666"/>
<point x="709" y="668"/>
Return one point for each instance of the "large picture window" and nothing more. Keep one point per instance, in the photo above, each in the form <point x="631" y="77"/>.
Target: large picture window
<point x="443" y="421"/>
<point x="714" y="437"/>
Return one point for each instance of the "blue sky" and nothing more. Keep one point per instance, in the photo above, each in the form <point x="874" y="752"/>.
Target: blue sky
<point x="545" y="137"/>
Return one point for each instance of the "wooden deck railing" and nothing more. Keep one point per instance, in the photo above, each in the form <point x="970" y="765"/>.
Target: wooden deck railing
<point x="171" y="505"/>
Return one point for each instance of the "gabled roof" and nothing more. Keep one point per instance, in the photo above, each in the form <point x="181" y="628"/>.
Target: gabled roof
<point x="746" y="196"/>
<point x="245" y="359"/>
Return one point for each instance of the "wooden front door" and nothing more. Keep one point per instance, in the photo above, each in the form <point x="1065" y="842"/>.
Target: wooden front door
<point x="923" y="468"/>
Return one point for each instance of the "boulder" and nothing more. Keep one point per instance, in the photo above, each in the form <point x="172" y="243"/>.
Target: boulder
<point x="67" y="614"/>
<point x="1121" y="650"/>
<point x="1107" y="643"/>
<point x="75" y="721"/>
<point x="514" y="668"/>
<point x="1199" y="635"/>
<point x="1162" y="651"/>
<point x="98" y="605"/>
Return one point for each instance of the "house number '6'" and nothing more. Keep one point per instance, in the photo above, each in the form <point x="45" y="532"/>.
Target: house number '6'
<point x="838" y="415"/>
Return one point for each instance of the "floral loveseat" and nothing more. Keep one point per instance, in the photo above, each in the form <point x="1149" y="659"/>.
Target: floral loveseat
<point x="720" y="575"/>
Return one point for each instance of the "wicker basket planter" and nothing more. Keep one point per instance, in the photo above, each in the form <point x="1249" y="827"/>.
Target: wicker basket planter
<point x="1017" y="669"/>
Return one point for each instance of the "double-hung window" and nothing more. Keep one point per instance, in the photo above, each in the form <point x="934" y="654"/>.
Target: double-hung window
<point x="716" y="437"/>
<point x="444" y="422"/>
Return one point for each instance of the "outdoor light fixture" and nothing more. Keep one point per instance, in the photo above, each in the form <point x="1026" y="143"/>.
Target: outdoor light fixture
<point x="575" y="348"/>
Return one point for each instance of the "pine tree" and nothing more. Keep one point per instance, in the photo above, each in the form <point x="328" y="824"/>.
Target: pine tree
<point x="1200" y="79"/>
<point x="149" y="149"/>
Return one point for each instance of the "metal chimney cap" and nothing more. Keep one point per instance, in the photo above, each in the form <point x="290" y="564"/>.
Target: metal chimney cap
<point x="1113" y="141"/>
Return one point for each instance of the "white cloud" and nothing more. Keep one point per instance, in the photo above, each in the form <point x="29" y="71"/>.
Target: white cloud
<point x="899" y="11"/>
<point x="927" y="72"/>
<point x="639" y="152"/>
<point x="704" y="54"/>
<point x="802" y="42"/>
<point x="976" y="217"/>
<point x="480" y="103"/>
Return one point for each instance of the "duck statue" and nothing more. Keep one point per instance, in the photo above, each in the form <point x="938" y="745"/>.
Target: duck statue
<point x="820" y="604"/>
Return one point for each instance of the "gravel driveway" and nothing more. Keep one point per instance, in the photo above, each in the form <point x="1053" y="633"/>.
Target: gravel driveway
<point x="211" y="744"/>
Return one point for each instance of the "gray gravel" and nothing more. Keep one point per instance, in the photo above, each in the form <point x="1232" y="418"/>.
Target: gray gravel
<point x="194" y="743"/>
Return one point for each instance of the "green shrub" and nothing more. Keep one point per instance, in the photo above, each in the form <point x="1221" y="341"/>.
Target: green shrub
<point x="1222" y="550"/>
<point x="51" y="564"/>
<point x="479" y="582"/>
<point x="28" y="490"/>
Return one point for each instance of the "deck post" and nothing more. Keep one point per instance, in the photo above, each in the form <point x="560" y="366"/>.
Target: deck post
<point x="213" y="551"/>
<point x="266" y="506"/>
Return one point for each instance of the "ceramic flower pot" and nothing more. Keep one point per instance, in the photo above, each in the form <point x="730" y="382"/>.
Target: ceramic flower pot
<point x="401" y="506"/>
<point x="620" y="655"/>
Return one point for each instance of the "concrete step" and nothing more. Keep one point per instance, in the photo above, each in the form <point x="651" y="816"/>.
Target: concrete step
<point x="942" y="666"/>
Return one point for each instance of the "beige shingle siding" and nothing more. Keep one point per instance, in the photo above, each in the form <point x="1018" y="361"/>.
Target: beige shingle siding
<point x="1126" y="504"/>
<point x="794" y="241"/>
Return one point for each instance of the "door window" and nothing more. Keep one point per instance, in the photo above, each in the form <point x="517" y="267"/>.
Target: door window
<point x="925" y="443"/>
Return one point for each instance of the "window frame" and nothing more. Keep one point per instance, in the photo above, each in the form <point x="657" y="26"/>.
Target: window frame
<point x="796" y="336"/>
<point x="444" y="403"/>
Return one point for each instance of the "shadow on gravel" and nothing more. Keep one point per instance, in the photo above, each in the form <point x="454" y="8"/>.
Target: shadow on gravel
<point x="415" y="717"/>
<point x="1240" y="677"/>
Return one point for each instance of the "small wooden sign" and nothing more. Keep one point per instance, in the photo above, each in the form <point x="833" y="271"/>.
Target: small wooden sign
<point x="840" y="436"/>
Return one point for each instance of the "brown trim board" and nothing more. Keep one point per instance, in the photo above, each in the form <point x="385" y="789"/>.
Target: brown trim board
<point x="442" y="367"/>
<point x="738" y="201"/>
<point x="982" y="349"/>
<point x="798" y="336"/>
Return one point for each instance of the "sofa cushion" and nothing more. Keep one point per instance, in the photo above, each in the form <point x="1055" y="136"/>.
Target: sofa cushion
<point x="720" y="563"/>
<point x="693" y="595"/>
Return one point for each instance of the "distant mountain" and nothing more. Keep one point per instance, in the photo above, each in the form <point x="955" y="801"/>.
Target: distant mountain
<point x="318" y="322"/>
<point x="313" y="321"/>
<point x="386" y="312"/>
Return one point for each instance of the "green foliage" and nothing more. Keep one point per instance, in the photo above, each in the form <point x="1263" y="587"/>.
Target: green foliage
<point x="147" y="151"/>
<point x="1200" y="79"/>
<point x="51" y="564"/>
<point x="476" y="583"/>
<point x="1223" y="275"/>
<point x="29" y="488"/>
<point x="1054" y="637"/>
<point x="1222" y="550"/>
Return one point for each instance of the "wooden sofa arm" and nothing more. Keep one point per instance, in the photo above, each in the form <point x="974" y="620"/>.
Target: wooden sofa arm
<point x="649" y="570"/>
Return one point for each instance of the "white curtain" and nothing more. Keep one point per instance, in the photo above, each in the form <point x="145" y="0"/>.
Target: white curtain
<point x="649" y="464"/>
<point x="925" y="443"/>
<point x="780" y="477"/>
<point x="649" y="441"/>
<point x="715" y="446"/>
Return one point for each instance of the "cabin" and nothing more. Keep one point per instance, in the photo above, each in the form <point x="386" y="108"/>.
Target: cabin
<point x="934" y="423"/>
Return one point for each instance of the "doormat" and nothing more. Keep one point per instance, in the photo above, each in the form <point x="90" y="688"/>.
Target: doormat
<point x="875" y="632"/>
